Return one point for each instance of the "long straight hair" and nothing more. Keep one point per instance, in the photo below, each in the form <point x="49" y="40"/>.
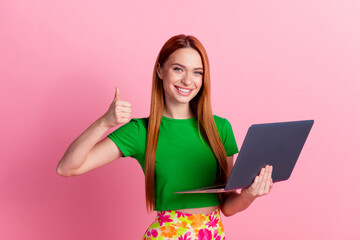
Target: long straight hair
<point x="200" y="106"/>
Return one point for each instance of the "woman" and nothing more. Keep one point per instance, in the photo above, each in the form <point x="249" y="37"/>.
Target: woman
<point x="181" y="146"/>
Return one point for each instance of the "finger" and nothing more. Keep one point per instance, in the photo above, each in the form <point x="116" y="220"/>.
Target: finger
<point x="267" y="172"/>
<point x="271" y="171"/>
<point x="122" y="103"/>
<point x="264" y="180"/>
<point x="124" y="118"/>
<point x="125" y="115"/>
<point x="126" y="109"/>
<point x="271" y="184"/>
<point x="122" y="109"/>
<point x="118" y="109"/>
<point x="259" y="181"/>
<point x="267" y="186"/>
<point x="117" y="94"/>
<point x="269" y="181"/>
<point x="255" y="184"/>
<point x="270" y="176"/>
<point x="125" y="103"/>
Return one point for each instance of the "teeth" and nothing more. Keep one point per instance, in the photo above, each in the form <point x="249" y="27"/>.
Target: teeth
<point x="183" y="90"/>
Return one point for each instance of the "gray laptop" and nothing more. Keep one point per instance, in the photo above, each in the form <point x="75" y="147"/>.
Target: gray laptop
<point x="277" y="144"/>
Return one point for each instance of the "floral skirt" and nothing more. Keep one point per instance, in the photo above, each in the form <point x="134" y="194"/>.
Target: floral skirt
<point x="172" y="224"/>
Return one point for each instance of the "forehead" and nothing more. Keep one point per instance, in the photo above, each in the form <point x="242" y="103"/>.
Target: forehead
<point x="188" y="57"/>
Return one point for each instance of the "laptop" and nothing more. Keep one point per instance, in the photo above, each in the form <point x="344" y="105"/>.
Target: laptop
<point x="277" y="144"/>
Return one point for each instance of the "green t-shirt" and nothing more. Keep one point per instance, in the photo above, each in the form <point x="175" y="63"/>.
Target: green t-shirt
<point x="183" y="161"/>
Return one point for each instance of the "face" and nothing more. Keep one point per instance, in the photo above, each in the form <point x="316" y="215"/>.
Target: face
<point x="182" y="76"/>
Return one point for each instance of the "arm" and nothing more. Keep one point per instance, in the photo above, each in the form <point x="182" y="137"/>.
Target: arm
<point x="85" y="152"/>
<point x="235" y="202"/>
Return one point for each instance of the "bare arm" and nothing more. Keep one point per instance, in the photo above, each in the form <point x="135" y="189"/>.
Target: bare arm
<point x="86" y="152"/>
<point x="235" y="202"/>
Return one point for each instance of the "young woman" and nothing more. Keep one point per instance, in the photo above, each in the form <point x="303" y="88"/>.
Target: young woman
<point x="180" y="146"/>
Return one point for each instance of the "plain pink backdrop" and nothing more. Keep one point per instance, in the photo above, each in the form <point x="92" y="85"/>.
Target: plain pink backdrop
<point x="270" y="61"/>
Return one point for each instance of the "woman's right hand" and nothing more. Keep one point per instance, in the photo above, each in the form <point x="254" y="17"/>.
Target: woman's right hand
<point x="119" y="112"/>
<point x="86" y="152"/>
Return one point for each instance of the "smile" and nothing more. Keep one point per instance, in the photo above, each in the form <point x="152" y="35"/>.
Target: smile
<point x="183" y="89"/>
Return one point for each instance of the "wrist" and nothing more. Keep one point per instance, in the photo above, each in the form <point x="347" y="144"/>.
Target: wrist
<point x="245" y="196"/>
<point x="102" y="123"/>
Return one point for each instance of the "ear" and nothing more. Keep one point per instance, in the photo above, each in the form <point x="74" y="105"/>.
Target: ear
<point x="159" y="71"/>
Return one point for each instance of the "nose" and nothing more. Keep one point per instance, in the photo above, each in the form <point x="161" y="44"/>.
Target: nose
<point x="187" y="79"/>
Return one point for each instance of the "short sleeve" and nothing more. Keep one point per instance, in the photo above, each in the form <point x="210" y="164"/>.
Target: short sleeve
<point x="227" y="136"/>
<point x="126" y="138"/>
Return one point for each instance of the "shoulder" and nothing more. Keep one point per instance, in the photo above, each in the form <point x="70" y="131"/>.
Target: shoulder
<point x="226" y="134"/>
<point x="133" y="126"/>
<point x="223" y="125"/>
<point x="140" y="124"/>
<point x="221" y="122"/>
<point x="139" y="121"/>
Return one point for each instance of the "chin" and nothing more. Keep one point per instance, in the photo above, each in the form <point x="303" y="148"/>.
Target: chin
<point x="186" y="100"/>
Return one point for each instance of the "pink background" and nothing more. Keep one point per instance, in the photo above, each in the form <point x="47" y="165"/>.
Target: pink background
<point x="270" y="61"/>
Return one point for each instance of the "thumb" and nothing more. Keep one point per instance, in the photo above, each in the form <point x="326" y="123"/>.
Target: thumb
<point x="117" y="94"/>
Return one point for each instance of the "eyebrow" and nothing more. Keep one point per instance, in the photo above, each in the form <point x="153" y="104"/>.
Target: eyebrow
<point x="199" y="68"/>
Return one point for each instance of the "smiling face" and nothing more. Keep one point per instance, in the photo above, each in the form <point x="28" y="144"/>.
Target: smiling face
<point x="182" y="76"/>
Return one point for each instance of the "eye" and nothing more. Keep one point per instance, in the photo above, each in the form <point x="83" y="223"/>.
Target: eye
<point x="198" y="73"/>
<point x="177" y="69"/>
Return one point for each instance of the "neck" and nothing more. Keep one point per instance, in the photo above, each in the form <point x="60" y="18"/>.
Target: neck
<point x="180" y="111"/>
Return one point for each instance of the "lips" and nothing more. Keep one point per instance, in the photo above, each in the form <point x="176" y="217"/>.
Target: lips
<point x="183" y="91"/>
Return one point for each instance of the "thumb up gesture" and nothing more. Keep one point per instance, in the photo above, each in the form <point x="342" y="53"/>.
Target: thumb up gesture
<point x="119" y="111"/>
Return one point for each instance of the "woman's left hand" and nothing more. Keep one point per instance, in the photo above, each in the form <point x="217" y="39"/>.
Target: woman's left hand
<point x="261" y="186"/>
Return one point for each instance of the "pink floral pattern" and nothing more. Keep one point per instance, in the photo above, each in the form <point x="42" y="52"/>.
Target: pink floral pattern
<point x="180" y="214"/>
<point x="172" y="224"/>
<point x="205" y="234"/>
<point x="163" y="218"/>
<point x="152" y="232"/>
<point x="186" y="236"/>
<point x="213" y="221"/>
<point x="217" y="236"/>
